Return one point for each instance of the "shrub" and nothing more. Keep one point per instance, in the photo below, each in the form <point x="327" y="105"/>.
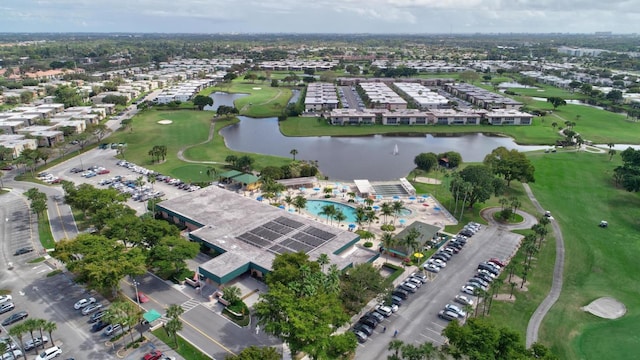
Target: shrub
<point x="388" y="227"/>
<point x="368" y="244"/>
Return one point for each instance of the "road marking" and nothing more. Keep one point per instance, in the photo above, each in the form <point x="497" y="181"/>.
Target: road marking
<point x="209" y="337"/>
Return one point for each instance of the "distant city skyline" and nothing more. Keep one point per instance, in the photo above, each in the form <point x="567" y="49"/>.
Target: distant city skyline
<point x="320" y="16"/>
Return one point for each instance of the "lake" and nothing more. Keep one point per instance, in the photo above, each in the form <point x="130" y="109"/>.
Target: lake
<point x="361" y="157"/>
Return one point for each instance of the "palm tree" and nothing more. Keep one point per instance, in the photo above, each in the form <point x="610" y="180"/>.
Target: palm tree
<point x="17" y="331"/>
<point x="329" y="211"/>
<point x="388" y="241"/>
<point x="361" y="215"/>
<point x="513" y="286"/>
<point x="172" y="327"/>
<point x="371" y="217"/>
<point x="323" y="259"/>
<point x="339" y="216"/>
<point x="397" y="208"/>
<point x="369" y="202"/>
<point x="151" y="179"/>
<point x="612" y="153"/>
<point x="293" y="152"/>
<point x="410" y="241"/>
<point x="31" y="325"/>
<point x="288" y="200"/>
<point x="174" y="311"/>
<point x="299" y="202"/>
<point x="327" y="191"/>
<point x="386" y="209"/>
<point x="50" y="327"/>
<point x="41" y="324"/>
<point x="212" y="172"/>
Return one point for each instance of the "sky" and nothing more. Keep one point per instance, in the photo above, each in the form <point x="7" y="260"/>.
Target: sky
<point x="320" y="16"/>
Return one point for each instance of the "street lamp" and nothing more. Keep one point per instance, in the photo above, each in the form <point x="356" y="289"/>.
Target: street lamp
<point x="135" y="286"/>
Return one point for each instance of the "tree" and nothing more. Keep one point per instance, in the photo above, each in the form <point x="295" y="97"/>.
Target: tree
<point x="328" y="211"/>
<point x="227" y="111"/>
<point x="26" y="97"/>
<point x="613" y="95"/>
<point x="510" y="164"/>
<point x="256" y="353"/>
<point x="629" y="172"/>
<point x="556" y="102"/>
<point x="612" y="153"/>
<point x="388" y="241"/>
<point x="50" y="327"/>
<point x="360" y="284"/>
<point x="322" y="260"/>
<point x="169" y="255"/>
<point x="482" y="182"/>
<point x="174" y="324"/>
<point x="301" y="310"/>
<point x="299" y="202"/>
<point x="69" y="96"/>
<point x="453" y="159"/>
<point x="201" y="101"/>
<point x="339" y="216"/>
<point x="293" y="152"/>
<point x="397" y="207"/>
<point x="17" y="331"/>
<point x="426" y="161"/>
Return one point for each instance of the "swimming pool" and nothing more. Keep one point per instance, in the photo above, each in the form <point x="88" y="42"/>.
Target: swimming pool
<point x="315" y="208"/>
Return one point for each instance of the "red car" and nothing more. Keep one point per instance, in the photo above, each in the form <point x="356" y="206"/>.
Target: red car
<point x="497" y="261"/>
<point x="142" y="297"/>
<point x="154" y="355"/>
<point x="104" y="171"/>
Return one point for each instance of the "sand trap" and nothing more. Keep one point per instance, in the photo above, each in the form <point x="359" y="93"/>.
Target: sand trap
<point x="257" y="88"/>
<point x="165" y="122"/>
<point x="606" y="307"/>
<point x="426" y="180"/>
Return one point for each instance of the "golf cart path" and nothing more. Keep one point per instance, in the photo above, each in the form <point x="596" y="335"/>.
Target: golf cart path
<point x="556" y="285"/>
<point x="180" y="154"/>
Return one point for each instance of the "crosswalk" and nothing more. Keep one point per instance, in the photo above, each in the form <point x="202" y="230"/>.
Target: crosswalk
<point x="189" y="304"/>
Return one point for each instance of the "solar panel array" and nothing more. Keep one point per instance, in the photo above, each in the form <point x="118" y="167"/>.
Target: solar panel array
<point x="284" y="235"/>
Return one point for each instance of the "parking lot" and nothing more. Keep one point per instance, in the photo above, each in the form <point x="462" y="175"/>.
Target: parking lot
<point x="417" y="319"/>
<point x="105" y="161"/>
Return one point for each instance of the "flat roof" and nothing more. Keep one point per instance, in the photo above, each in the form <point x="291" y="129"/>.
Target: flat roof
<point x="253" y="232"/>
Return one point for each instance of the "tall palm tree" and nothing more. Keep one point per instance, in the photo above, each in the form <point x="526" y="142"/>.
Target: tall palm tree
<point x="288" y="200"/>
<point x="371" y="217"/>
<point x="361" y="215"/>
<point x="386" y="209"/>
<point x="50" y="327"/>
<point x="339" y="216"/>
<point x="397" y="208"/>
<point x="395" y="345"/>
<point x="388" y="241"/>
<point x="328" y="211"/>
<point x="323" y="259"/>
<point x="174" y="311"/>
<point x="212" y="172"/>
<point x="410" y="241"/>
<point x="293" y="152"/>
<point x="31" y="325"/>
<point x="41" y="324"/>
<point x="172" y="327"/>
<point x="17" y="331"/>
<point x="369" y="202"/>
<point x="299" y="202"/>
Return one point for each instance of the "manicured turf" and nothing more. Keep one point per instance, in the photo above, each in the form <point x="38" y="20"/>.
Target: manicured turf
<point x="578" y="189"/>
<point x="189" y="128"/>
<point x="547" y="91"/>
<point x="185" y="349"/>
<point x="44" y="232"/>
<point x="264" y="102"/>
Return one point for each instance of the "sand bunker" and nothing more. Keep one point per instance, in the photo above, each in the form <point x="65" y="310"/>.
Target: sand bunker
<point x="427" y="180"/>
<point x="606" y="307"/>
<point x="165" y="122"/>
<point x="257" y="88"/>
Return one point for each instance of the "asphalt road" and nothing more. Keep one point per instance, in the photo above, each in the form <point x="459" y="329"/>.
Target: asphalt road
<point x="417" y="320"/>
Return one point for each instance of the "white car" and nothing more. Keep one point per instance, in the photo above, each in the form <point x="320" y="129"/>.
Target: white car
<point x="11" y="355"/>
<point x="469" y="290"/>
<point x="456" y="309"/>
<point x="384" y="310"/>
<point x="35" y="343"/>
<point x="5" y="298"/>
<point x="488" y="273"/>
<point x="437" y="262"/>
<point x="83" y="302"/>
<point x="49" y="353"/>
<point x="464" y="300"/>
<point x="91" y="308"/>
<point x="432" y="268"/>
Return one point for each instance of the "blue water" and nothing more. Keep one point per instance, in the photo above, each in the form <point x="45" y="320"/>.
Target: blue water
<point x="315" y="208"/>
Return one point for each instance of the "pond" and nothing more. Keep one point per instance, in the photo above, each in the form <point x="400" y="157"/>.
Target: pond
<point x="355" y="157"/>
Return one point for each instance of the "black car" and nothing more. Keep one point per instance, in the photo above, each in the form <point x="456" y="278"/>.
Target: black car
<point x="364" y="328"/>
<point x="402" y="294"/>
<point x="99" y="326"/>
<point x="368" y="321"/>
<point x="15" y="318"/>
<point x="466" y="233"/>
<point x="76" y="170"/>
<point x="97" y="316"/>
<point x="24" y="250"/>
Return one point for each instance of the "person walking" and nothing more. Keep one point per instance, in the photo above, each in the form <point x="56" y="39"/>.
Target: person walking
<point x="395" y="333"/>
<point x="384" y="329"/>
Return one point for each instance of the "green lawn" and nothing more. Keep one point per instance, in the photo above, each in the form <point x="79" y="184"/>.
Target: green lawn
<point x="547" y="91"/>
<point x="263" y="100"/>
<point x="189" y="128"/>
<point x="185" y="349"/>
<point x="44" y="232"/>
<point x="578" y="189"/>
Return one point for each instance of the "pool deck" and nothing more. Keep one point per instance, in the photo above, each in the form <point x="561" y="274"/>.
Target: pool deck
<point x="424" y="208"/>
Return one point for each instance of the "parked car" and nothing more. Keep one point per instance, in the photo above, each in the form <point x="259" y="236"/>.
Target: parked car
<point x="479" y="281"/>
<point x="400" y="293"/>
<point x="49" y="353"/>
<point x="377" y="316"/>
<point x="12" y="355"/>
<point x="395" y="300"/>
<point x="437" y="262"/>
<point x="384" y="310"/>
<point x="368" y="321"/>
<point x="23" y="250"/>
<point x="361" y="336"/>
<point x="35" y="343"/>
<point x="14" y="318"/>
<point x="464" y="300"/>
<point x="498" y="261"/>
<point x="91" y="308"/>
<point x="83" y="302"/>
<point x="6" y="307"/>
<point x="414" y="281"/>
<point x="476" y="285"/>
<point x="99" y="326"/>
<point x="432" y="268"/>
<point x="408" y="287"/>
<point x="112" y="329"/>
<point x="364" y="328"/>
<point x="153" y="355"/>
<point x="456" y="309"/>
<point x="5" y="298"/>
<point x="420" y="276"/>
<point x="97" y="316"/>
<point x="487" y="272"/>
<point x="447" y="315"/>
<point x="469" y="290"/>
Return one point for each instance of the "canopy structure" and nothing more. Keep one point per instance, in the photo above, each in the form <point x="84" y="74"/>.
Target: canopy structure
<point x="364" y="188"/>
<point x="152" y="315"/>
